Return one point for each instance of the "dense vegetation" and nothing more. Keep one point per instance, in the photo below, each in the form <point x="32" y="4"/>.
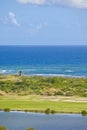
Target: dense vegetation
<point x="27" y="85"/>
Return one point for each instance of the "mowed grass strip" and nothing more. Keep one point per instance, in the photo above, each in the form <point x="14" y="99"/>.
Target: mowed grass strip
<point x="63" y="107"/>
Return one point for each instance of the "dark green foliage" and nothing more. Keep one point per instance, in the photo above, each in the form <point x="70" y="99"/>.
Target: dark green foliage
<point x="47" y="111"/>
<point x="39" y="85"/>
<point x="58" y="93"/>
<point x="53" y="112"/>
<point x="3" y="128"/>
<point x="84" y="113"/>
<point x="6" y="109"/>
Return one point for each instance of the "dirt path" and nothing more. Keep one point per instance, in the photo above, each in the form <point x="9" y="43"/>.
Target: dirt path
<point x="64" y="98"/>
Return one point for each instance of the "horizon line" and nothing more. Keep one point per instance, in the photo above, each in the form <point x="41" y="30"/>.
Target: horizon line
<point x="43" y="45"/>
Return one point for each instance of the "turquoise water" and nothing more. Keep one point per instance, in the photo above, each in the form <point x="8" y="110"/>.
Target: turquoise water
<point x="44" y="60"/>
<point x="22" y="121"/>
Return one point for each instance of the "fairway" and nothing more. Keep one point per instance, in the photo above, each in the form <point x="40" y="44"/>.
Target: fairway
<point x="40" y="104"/>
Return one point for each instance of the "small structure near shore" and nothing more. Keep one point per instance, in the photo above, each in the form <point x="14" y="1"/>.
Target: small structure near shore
<point x="20" y="73"/>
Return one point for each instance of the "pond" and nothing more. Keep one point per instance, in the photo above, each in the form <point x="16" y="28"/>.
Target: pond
<point x="23" y="120"/>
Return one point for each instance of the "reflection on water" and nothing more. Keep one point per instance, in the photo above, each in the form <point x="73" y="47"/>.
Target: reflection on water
<point x="22" y="121"/>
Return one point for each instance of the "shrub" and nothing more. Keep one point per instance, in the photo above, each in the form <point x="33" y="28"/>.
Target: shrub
<point x="6" y="109"/>
<point x="58" y="93"/>
<point x="84" y="113"/>
<point x="3" y="128"/>
<point x="68" y="93"/>
<point x="53" y="112"/>
<point x="47" y="111"/>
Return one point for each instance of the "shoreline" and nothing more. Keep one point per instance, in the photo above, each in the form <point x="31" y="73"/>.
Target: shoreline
<point x="53" y="112"/>
<point x="40" y="112"/>
<point x="35" y="104"/>
<point x="44" y="75"/>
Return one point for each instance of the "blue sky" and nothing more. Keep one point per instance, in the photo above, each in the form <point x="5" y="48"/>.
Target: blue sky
<point x="43" y="22"/>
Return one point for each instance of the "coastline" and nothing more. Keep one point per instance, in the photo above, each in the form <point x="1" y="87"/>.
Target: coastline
<point x="44" y="71"/>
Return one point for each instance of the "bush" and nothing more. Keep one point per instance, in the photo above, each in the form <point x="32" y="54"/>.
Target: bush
<point x="58" y="93"/>
<point x="53" y="112"/>
<point x="84" y="113"/>
<point x="68" y="93"/>
<point x="47" y="111"/>
<point x="3" y="128"/>
<point x="6" y="109"/>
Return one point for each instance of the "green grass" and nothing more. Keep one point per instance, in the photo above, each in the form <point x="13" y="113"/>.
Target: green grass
<point x="33" y="105"/>
<point x="40" y="93"/>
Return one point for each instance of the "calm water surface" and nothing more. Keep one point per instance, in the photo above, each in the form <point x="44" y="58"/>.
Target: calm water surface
<point x="22" y="121"/>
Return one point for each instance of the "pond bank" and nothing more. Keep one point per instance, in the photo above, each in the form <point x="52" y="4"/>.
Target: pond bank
<point x="37" y="103"/>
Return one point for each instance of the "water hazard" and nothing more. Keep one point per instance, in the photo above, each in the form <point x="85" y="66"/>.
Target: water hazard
<point x="22" y="121"/>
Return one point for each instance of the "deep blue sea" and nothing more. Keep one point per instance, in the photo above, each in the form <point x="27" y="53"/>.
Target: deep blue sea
<point x="44" y="60"/>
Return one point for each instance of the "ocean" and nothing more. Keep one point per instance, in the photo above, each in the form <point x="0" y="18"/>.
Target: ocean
<point x="70" y="61"/>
